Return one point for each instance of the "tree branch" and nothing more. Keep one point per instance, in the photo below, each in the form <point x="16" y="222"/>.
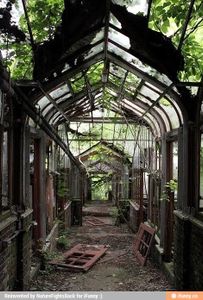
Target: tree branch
<point x="194" y="28"/>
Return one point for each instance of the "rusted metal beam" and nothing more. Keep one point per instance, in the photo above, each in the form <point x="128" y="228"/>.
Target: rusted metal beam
<point x="106" y="38"/>
<point x="190" y="83"/>
<point x="158" y="99"/>
<point x="48" y="86"/>
<point x="166" y="206"/>
<point x="107" y="140"/>
<point x="142" y="105"/>
<point x="44" y="125"/>
<point x="146" y="77"/>
<point x="36" y="190"/>
<point x="90" y="96"/>
<point x="72" y="101"/>
<point x="106" y="120"/>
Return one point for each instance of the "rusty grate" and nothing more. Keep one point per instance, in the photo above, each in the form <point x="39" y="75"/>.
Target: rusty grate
<point x="81" y="257"/>
<point x="143" y="243"/>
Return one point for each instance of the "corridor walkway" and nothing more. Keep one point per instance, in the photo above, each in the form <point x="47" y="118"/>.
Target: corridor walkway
<point x="117" y="270"/>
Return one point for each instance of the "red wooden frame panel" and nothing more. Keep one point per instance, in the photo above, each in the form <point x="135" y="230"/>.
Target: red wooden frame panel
<point x="81" y="257"/>
<point x="143" y="242"/>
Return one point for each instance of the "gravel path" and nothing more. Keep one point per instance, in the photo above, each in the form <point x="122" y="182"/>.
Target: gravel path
<point x="117" y="270"/>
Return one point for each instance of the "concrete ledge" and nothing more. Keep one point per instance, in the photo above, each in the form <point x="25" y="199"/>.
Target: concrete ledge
<point x="168" y="269"/>
<point x="27" y="212"/>
<point x="156" y="254"/>
<point x="51" y="238"/>
<point x="187" y="217"/>
<point x="181" y="215"/>
<point x="7" y="222"/>
<point x="196" y="222"/>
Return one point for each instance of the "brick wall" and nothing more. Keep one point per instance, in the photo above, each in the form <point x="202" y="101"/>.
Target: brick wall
<point x="15" y="252"/>
<point x="8" y="253"/>
<point x="188" y="252"/>
<point x="196" y="264"/>
<point x="25" y="250"/>
<point x="181" y="251"/>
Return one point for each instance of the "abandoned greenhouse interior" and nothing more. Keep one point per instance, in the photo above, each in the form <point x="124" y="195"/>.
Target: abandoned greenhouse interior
<point x="101" y="108"/>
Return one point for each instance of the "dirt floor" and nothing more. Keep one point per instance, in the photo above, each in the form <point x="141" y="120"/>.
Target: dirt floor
<point x="117" y="270"/>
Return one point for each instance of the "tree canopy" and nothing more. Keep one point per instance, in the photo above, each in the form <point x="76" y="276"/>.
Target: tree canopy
<point x="165" y="16"/>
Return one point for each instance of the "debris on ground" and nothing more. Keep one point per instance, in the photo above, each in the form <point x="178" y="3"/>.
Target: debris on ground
<point x="81" y="257"/>
<point x="118" y="270"/>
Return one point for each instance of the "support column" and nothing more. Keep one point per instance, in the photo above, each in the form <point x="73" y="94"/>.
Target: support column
<point x="163" y="181"/>
<point x="188" y="175"/>
<point x="188" y="185"/>
<point x="39" y="199"/>
<point x="20" y="197"/>
<point x="76" y="197"/>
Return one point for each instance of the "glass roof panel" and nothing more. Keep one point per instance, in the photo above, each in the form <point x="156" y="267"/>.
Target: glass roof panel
<point x="138" y="6"/>
<point x="152" y="87"/>
<point x="115" y="80"/>
<point x="135" y="107"/>
<point x="60" y="91"/>
<point x="163" y="116"/>
<point x="47" y="109"/>
<point x="170" y="111"/>
<point x="180" y="115"/>
<point x="99" y="36"/>
<point x="177" y="109"/>
<point x="119" y="38"/>
<point x="131" y="83"/>
<point x="131" y="59"/>
<point x="149" y="93"/>
<point x="42" y="102"/>
<point x="117" y="71"/>
<point x="139" y="112"/>
<point x="63" y="98"/>
<point x="95" y="50"/>
<point x="54" y="117"/>
<point x="144" y="99"/>
<point x="114" y="21"/>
